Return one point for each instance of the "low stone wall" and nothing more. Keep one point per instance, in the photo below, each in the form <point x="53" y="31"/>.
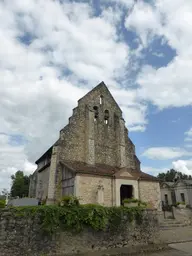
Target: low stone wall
<point x="21" y="236"/>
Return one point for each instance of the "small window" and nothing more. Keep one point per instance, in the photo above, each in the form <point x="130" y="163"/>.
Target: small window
<point x="101" y="100"/>
<point x="166" y="199"/>
<point x="106" y="116"/>
<point x="183" y="197"/>
<point x="95" y="108"/>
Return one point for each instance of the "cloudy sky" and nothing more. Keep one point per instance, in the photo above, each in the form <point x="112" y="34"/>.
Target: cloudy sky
<point x="53" y="52"/>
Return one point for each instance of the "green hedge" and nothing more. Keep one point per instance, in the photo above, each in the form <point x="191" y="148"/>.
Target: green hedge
<point x="134" y="200"/>
<point x="2" y="203"/>
<point x="69" y="201"/>
<point x="75" y="218"/>
<point x="178" y="203"/>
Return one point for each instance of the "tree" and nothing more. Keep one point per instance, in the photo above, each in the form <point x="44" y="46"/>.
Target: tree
<point x="20" y="184"/>
<point x="171" y="174"/>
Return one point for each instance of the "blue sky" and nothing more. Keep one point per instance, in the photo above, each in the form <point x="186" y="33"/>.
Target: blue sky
<point x="142" y="51"/>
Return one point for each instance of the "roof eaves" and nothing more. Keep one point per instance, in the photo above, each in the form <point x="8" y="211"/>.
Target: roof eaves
<point x="44" y="167"/>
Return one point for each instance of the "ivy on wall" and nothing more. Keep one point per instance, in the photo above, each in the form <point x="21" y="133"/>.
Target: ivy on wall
<point x="77" y="217"/>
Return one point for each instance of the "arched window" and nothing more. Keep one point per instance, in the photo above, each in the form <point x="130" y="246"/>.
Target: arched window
<point x="106" y="116"/>
<point x="95" y="108"/>
<point x="101" y="100"/>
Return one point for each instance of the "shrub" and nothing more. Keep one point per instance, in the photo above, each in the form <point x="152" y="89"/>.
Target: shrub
<point x="2" y="203"/>
<point x="77" y="217"/>
<point x="69" y="201"/>
<point x="134" y="200"/>
<point x="178" y="203"/>
<point x="43" y="202"/>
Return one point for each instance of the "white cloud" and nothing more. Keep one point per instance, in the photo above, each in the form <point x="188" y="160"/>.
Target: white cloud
<point x="165" y="153"/>
<point x="189" y="132"/>
<point x="169" y="20"/>
<point x="12" y="159"/>
<point x="137" y="128"/>
<point x="113" y="15"/>
<point x="134" y="115"/>
<point x="168" y="86"/>
<point x="144" y="21"/>
<point x="188" y="135"/>
<point x="184" y="166"/>
<point x="68" y="52"/>
<point x="152" y="170"/>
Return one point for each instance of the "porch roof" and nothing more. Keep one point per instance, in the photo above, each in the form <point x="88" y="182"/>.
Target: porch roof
<point x="106" y="170"/>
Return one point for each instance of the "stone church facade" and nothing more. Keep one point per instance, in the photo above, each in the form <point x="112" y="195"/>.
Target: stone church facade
<point x="94" y="158"/>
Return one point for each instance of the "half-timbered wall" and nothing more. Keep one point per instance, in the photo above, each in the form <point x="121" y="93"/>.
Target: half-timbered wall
<point x="68" y="179"/>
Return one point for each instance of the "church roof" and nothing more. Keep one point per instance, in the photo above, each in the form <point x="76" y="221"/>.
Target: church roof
<point x="105" y="170"/>
<point x="98" y="169"/>
<point x="146" y="176"/>
<point x="48" y="152"/>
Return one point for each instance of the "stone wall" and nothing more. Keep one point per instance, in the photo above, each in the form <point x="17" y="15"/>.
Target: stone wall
<point x="87" y="187"/>
<point x="33" y="184"/>
<point x="21" y="236"/>
<point x="42" y="183"/>
<point x="150" y="192"/>
<point x="180" y="188"/>
<point x="88" y="138"/>
<point x="166" y="191"/>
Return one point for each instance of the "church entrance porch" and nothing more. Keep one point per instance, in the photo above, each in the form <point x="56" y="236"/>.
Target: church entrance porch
<point x="126" y="191"/>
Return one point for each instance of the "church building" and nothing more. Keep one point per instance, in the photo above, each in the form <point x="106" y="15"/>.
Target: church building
<point x="94" y="158"/>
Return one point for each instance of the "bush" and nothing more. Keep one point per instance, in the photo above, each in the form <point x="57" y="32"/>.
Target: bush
<point x="44" y="202"/>
<point x="134" y="200"/>
<point x="178" y="203"/>
<point x="77" y="217"/>
<point x="2" y="203"/>
<point x="69" y="201"/>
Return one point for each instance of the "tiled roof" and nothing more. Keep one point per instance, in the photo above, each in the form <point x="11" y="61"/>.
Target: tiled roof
<point x="105" y="170"/>
<point x="49" y="151"/>
<point x="146" y="176"/>
<point x="98" y="169"/>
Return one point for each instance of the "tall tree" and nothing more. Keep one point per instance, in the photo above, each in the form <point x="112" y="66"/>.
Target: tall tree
<point x="20" y="184"/>
<point x="171" y="174"/>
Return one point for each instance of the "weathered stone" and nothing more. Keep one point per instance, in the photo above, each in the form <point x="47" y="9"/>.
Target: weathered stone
<point x="94" y="147"/>
<point x="26" y="239"/>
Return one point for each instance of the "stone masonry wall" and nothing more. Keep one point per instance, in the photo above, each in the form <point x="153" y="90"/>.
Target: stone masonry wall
<point x="42" y="183"/>
<point x="88" y="138"/>
<point x="72" y="137"/>
<point x="21" y="236"/>
<point x="150" y="192"/>
<point x="87" y="186"/>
